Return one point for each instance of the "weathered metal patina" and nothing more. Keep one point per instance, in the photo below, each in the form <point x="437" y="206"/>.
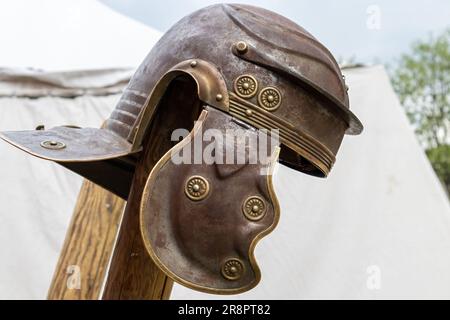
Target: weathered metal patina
<point x="230" y="65"/>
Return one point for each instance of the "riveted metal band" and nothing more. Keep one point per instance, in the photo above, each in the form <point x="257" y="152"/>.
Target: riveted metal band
<point x="295" y="139"/>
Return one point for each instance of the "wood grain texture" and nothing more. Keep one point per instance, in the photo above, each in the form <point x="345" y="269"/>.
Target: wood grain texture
<point x="89" y="243"/>
<point x="133" y="275"/>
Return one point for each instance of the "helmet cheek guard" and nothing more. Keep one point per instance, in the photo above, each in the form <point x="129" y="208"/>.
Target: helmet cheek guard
<point x="200" y="223"/>
<point x="233" y="68"/>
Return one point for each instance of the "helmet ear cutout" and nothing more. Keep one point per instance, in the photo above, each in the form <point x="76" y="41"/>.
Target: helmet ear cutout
<point x="211" y="89"/>
<point x="178" y="107"/>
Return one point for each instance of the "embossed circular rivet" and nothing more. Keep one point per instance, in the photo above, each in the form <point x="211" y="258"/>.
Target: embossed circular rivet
<point x="232" y="269"/>
<point x="197" y="188"/>
<point x="270" y="98"/>
<point x="254" y="208"/>
<point x="193" y="64"/>
<point x="241" y="47"/>
<point x="249" y="113"/>
<point x="219" y="97"/>
<point x="53" y="145"/>
<point x="246" y="86"/>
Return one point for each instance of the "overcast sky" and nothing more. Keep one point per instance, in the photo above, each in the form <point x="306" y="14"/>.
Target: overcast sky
<point x="370" y="31"/>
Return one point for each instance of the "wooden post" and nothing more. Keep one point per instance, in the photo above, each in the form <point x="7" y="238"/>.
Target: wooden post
<point x="89" y="243"/>
<point x="133" y="275"/>
<point x="87" y="250"/>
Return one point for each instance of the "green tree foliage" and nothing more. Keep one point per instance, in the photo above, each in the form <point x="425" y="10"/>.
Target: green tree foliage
<point x="440" y="159"/>
<point x="422" y="81"/>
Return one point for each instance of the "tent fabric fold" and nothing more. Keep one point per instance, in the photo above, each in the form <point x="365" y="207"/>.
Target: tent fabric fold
<point x="35" y="84"/>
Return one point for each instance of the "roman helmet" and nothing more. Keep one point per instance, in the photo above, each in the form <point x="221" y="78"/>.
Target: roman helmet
<point x="228" y="66"/>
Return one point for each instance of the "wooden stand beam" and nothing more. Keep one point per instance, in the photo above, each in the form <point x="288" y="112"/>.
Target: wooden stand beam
<point x="89" y="243"/>
<point x="132" y="274"/>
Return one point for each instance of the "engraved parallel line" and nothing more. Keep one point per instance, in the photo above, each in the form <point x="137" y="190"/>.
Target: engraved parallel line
<point x="244" y="104"/>
<point x="120" y="123"/>
<point x="131" y="103"/>
<point x="297" y="140"/>
<point x="312" y="144"/>
<point x="126" y="113"/>
<point x="287" y="133"/>
<point x="287" y="137"/>
<point x="123" y="116"/>
<point x="136" y="93"/>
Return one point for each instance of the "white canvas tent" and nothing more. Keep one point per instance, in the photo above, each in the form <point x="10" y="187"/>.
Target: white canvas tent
<point x="54" y="35"/>
<point x="62" y="62"/>
<point x="379" y="227"/>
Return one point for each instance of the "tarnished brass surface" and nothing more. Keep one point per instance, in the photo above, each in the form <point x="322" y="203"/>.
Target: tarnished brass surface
<point x="253" y="68"/>
<point x="308" y="88"/>
<point x="208" y="245"/>
<point x="254" y="208"/>
<point x="211" y="89"/>
<point x="71" y="145"/>
<point x="296" y="139"/>
<point x="292" y="75"/>
<point x="246" y="86"/>
<point x="233" y="269"/>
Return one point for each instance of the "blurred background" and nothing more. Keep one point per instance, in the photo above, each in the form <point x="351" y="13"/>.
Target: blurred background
<point x="377" y="227"/>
